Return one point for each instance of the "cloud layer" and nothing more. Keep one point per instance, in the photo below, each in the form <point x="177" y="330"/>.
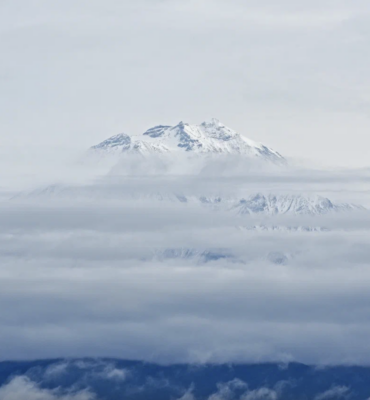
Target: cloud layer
<point x="93" y="271"/>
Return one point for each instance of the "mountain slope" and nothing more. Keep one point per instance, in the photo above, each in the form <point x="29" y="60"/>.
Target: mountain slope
<point x="272" y="204"/>
<point x="268" y="204"/>
<point x="210" y="137"/>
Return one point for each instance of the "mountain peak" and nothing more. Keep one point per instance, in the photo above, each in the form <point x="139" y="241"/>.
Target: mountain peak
<point x="156" y="131"/>
<point x="212" y="122"/>
<point x="122" y="141"/>
<point x="210" y="137"/>
<point x="273" y="204"/>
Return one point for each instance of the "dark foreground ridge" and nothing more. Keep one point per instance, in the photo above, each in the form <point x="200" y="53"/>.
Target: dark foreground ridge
<point x="85" y="379"/>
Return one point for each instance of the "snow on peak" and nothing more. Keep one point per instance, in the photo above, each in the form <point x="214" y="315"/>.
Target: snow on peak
<point x="272" y="204"/>
<point x="156" y="131"/>
<point x="217" y="130"/>
<point x="120" y="141"/>
<point x="210" y="137"/>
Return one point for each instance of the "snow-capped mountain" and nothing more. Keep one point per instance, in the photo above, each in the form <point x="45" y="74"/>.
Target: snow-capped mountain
<point x="254" y="204"/>
<point x="284" y="228"/>
<point x="203" y="256"/>
<point x="199" y="255"/>
<point x="272" y="204"/>
<point x="211" y="137"/>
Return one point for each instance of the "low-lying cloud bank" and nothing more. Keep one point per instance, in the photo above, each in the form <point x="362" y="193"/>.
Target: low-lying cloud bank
<point x="169" y="283"/>
<point x="124" y="267"/>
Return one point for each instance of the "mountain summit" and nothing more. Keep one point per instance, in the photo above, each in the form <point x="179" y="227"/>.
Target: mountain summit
<point x="210" y="137"/>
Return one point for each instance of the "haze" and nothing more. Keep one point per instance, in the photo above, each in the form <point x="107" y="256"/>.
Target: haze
<point x="293" y="76"/>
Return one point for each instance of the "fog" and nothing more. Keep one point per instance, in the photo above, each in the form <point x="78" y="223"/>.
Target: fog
<point x="160" y="258"/>
<point x="119" y="267"/>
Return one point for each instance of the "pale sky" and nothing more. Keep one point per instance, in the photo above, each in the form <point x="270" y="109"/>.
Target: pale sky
<point x="293" y="75"/>
<point x="87" y="256"/>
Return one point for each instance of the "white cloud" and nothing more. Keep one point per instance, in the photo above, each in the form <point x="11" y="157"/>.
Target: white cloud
<point x="21" y="388"/>
<point x="336" y="392"/>
<point x="260" y="394"/>
<point x="227" y="390"/>
<point x="238" y="389"/>
<point x="114" y="374"/>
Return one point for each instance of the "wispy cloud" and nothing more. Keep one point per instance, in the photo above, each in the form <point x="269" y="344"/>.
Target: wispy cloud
<point x="21" y="388"/>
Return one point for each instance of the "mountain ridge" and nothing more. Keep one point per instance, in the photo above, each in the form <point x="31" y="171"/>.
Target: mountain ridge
<point x="257" y="203"/>
<point x="210" y="137"/>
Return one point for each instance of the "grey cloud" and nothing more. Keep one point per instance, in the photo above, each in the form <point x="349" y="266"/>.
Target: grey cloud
<point x="272" y="307"/>
<point x="76" y="271"/>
